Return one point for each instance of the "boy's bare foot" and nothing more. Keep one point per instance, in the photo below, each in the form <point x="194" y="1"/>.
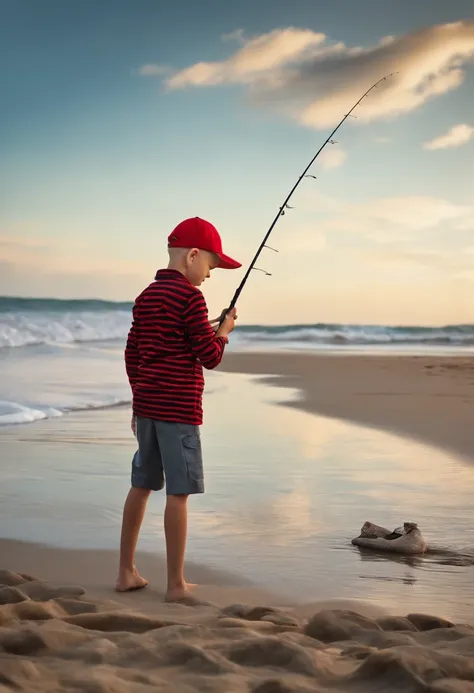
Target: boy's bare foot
<point x="130" y="580"/>
<point x="181" y="593"/>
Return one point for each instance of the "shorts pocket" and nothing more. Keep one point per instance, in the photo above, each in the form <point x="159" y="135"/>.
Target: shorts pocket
<point x="193" y="456"/>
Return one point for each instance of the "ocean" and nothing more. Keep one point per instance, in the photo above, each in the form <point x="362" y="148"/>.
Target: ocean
<point x="58" y="356"/>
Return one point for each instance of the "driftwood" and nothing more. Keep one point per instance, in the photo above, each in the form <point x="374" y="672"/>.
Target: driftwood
<point x="407" y="539"/>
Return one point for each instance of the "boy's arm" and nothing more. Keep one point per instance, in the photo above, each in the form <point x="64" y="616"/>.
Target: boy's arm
<point x="131" y="350"/>
<point x="208" y="348"/>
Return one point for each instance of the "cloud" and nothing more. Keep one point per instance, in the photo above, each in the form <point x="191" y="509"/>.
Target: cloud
<point x="9" y="245"/>
<point x="333" y="157"/>
<point x="428" y="257"/>
<point x="77" y="282"/>
<point x="313" y="80"/>
<point x="465" y="224"/>
<point x="153" y="70"/>
<point x="399" y="234"/>
<point x="258" y="56"/>
<point x="442" y="262"/>
<point x="415" y="213"/>
<point x="42" y="256"/>
<point x="385" y="219"/>
<point x="455" y="137"/>
<point x="382" y="219"/>
<point x="466" y="275"/>
<point x="237" y="35"/>
<point x="408" y="231"/>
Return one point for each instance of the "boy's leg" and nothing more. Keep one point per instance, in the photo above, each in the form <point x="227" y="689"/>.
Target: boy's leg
<point x="147" y="476"/>
<point x="180" y="446"/>
<point x="176" y="526"/>
<point x="133" y="513"/>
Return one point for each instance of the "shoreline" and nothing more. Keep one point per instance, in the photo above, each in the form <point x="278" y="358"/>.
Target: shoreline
<point x="96" y="571"/>
<point x="73" y="566"/>
<point x="428" y="399"/>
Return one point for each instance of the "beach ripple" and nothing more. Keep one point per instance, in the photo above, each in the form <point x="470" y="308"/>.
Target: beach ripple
<point x="56" y="638"/>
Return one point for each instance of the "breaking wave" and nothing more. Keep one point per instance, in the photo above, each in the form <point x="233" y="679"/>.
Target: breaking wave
<point x="25" y="322"/>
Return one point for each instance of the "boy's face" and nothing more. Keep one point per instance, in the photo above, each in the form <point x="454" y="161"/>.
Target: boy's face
<point x="200" y="263"/>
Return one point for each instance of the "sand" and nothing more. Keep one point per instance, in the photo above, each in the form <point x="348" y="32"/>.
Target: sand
<point x="427" y="398"/>
<point x="58" y="637"/>
<point x="63" y="628"/>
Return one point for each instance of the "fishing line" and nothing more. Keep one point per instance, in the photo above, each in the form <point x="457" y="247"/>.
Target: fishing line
<point x="285" y="204"/>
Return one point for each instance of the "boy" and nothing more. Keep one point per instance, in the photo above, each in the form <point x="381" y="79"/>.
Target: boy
<point x="169" y="342"/>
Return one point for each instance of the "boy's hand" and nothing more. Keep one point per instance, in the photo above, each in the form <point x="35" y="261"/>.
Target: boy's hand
<point x="217" y="320"/>
<point x="228" y="324"/>
<point x="133" y="425"/>
<point x="221" y="316"/>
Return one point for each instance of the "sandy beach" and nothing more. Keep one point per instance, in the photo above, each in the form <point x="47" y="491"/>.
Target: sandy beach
<point x="63" y="628"/>
<point x="58" y="637"/>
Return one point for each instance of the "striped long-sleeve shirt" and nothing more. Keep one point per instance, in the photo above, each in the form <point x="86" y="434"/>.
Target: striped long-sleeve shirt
<point x="169" y="342"/>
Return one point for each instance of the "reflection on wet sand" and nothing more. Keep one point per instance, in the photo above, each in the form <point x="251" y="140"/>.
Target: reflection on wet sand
<point x="286" y="492"/>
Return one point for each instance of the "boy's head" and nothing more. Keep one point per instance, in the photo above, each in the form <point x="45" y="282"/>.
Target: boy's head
<point x="195" y="248"/>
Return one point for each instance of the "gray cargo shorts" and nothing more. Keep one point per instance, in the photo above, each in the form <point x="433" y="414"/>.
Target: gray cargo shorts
<point x="168" y="452"/>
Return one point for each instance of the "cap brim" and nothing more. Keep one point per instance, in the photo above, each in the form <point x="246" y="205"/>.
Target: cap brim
<point x="227" y="262"/>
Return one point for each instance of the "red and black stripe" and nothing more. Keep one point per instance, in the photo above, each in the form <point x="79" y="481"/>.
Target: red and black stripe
<point x="169" y="343"/>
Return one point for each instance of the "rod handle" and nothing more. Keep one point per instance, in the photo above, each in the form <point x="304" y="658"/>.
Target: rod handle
<point x="221" y="318"/>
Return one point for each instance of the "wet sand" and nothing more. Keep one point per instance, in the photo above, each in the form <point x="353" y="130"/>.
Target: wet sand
<point x="426" y="398"/>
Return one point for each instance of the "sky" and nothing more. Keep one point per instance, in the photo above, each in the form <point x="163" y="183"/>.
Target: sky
<point x="120" y="119"/>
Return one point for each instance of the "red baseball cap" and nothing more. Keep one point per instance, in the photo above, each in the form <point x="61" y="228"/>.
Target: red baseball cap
<point x="199" y="233"/>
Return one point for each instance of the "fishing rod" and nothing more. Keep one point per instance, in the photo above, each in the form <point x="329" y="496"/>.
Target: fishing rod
<point x="285" y="205"/>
